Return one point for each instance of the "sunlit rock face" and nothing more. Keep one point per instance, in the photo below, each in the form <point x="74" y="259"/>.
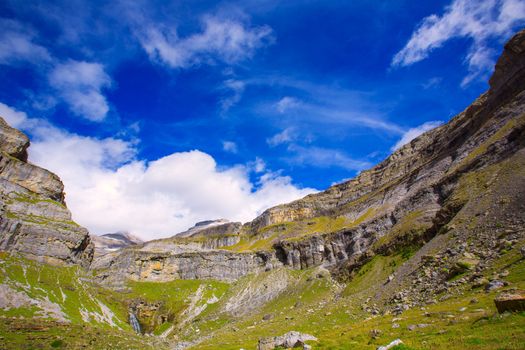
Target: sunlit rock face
<point x="34" y="219"/>
<point x="406" y="200"/>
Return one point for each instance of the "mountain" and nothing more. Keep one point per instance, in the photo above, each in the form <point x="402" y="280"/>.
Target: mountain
<point x="111" y="242"/>
<point x="203" y="225"/>
<point x="424" y="250"/>
<point x="404" y="201"/>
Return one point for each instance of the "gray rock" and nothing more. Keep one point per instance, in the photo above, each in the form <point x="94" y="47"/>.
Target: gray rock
<point x="291" y="339"/>
<point x="496" y="284"/>
<point x="375" y="333"/>
<point x="13" y="142"/>
<point x="390" y="345"/>
<point x="267" y="317"/>
<point x="34" y="220"/>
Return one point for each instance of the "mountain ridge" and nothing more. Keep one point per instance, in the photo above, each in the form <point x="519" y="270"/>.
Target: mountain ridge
<point x="428" y="246"/>
<point x="357" y="217"/>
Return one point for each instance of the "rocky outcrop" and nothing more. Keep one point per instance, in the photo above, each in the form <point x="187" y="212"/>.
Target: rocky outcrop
<point x="510" y="302"/>
<point x="193" y="254"/>
<point x="34" y="220"/>
<point x="149" y="315"/>
<point x="161" y="267"/>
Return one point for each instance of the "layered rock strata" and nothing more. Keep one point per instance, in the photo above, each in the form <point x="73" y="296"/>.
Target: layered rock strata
<point x="406" y="200"/>
<point x="34" y="219"/>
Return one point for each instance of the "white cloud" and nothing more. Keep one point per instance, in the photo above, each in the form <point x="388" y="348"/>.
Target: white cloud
<point x="287" y="103"/>
<point x="285" y="136"/>
<point x="412" y="133"/>
<point x="221" y="39"/>
<point x="80" y="84"/>
<point x="17" y="44"/>
<point x="229" y="146"/>
<point x="477" y="20"/>
<point x="108" y="189"/>
<point x="236" y="89"/>
<point x="259" y="165"/>
<point x="432" y="83"/>
<point x="13" y="117"/>
<point x="325" y="158"/>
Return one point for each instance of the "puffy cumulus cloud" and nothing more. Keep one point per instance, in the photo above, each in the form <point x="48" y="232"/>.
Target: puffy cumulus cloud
<point x="477" y="20"/>
<point x="108" y="189"/>
<point x="17" y="44"/>
<point x="80" y="84"/>
<point x="221" y="39"/>
<point x="412" y="133"/>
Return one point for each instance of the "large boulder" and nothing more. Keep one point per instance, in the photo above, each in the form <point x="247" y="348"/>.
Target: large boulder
<point x="510" y="302"/>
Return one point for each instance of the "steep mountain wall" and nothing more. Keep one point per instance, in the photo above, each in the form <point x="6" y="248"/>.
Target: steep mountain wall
<point x="406" y="200"/>
<point x="34" y="220"/>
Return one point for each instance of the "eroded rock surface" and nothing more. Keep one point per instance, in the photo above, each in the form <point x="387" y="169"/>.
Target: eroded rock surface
<point x="405" y="201"/>
<point x="34" y="220"/>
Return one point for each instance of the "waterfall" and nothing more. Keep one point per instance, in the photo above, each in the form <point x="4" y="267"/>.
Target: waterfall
<point x="134" y="322"/>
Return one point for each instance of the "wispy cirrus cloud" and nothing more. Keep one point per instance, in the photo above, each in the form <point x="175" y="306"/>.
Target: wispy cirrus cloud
<point x="286" y="103"/>
<point x="18" y="44"/>
<point x="476" y="20"/>
<point x="412" y="133"/>
<point x="324" y="158"/>
<point x="234" y="89"/>
<point x="81" y="85"/>
<point x="286" y="136"/>
<point x="221" y="39"/>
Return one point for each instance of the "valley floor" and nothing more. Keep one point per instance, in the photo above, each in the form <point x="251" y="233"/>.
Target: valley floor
<point x="215" y="315"/>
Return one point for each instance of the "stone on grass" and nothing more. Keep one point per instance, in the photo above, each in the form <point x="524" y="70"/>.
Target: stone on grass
<point x="391" y="345"/>
<point x="291" y="339"/>
<point x="510" y="302"/>
<point x="496" y="284"/>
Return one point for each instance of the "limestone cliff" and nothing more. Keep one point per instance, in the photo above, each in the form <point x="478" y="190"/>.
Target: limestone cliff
<point x="406" y="200"/>
<point x="34" y="220"/>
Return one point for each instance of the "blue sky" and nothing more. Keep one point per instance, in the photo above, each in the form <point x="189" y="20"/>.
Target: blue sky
<point x="160" y="114"/>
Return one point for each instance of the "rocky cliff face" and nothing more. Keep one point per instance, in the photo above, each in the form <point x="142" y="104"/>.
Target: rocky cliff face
<point x="410" y="194"/>
<point x="34" y="220"/>
<point x="190" y="256"/>
<point x="405" y="201"/>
